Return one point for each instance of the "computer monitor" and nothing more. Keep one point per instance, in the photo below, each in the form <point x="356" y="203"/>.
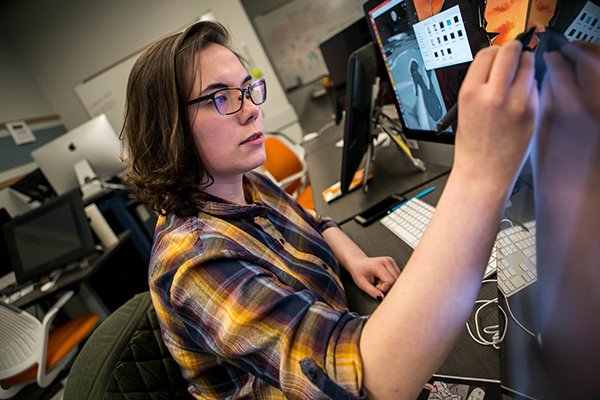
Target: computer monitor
<point x="49" y="237"/>
<point x="94" y="141"/>
<point x="35" y="186"/>
<point x="335" y="51"/>
<point x="426" y="57"/>
<point x="5" y="262"/>
<point x="358" y="123"/>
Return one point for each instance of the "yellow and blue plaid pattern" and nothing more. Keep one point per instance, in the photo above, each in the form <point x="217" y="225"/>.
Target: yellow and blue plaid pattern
<point x="245" y="293"/>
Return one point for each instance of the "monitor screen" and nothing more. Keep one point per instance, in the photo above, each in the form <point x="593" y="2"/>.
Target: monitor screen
<point x="426" y="55"/>
<point x="362" y="73"/>
<point x="94" y="141"/>
<point x="49" y="237"/>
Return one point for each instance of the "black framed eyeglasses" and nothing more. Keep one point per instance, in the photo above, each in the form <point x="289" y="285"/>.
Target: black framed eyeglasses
<point x="231" y="100"/>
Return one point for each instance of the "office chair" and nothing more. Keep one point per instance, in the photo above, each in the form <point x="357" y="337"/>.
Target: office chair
<point x="32" y="351"/>
<point x="285" y="165"/>
<point x="125" y="358"/>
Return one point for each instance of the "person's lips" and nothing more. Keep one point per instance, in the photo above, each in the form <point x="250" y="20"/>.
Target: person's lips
<point x="255" y="137"/>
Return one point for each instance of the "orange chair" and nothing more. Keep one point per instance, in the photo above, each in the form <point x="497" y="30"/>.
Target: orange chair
<point x="285" y="165"/>
<point x="30" y="351"/>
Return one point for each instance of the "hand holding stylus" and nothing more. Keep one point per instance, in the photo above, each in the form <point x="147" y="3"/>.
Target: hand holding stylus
<point x="499" y="102"/>
<point x="452" y="115"/>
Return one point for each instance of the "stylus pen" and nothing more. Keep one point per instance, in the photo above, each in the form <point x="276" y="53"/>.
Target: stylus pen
<point x="452" y="115"/>
<point x="417" y="196"/>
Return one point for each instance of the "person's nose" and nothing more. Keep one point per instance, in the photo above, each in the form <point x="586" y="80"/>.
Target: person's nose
<point x="249" y="111"/>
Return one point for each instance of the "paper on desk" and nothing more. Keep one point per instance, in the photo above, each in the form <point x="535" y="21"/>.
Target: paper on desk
<point x="334" y="191"/>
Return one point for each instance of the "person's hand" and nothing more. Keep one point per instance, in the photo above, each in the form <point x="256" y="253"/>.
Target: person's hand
<point x="498" y="103"/>
<point x="567" y="154"/>
<point x="374" y="275"/>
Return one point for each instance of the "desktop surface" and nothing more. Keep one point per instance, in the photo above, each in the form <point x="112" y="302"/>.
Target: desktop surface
<point x="393" y="174"/>
<point x="467" y="359"/>
<point x="519" y="362"/>
<point x="32" y="291"/>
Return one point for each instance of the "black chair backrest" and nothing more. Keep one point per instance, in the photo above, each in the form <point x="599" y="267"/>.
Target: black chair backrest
<point x="125" y="358"/>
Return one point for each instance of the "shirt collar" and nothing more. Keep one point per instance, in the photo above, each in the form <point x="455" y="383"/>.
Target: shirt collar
<point x="225" y="209"/>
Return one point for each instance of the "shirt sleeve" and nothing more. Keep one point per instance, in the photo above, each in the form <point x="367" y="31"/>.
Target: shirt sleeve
<point x="320" y="222"/>
<point x="245" y="316"/>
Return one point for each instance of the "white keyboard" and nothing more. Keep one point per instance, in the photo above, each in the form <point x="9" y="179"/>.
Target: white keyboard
<point x="513" y="255"/>
<point x="516" y="258"/>
<point x="409" y="221"/>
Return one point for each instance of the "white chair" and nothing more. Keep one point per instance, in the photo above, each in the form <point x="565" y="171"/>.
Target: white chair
<point x="30" y="351"/>
<point x="286" y="166"/>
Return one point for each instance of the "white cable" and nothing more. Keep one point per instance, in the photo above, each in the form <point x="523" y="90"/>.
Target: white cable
<point x="515" y="318"/>
<point x="493" y="330"/>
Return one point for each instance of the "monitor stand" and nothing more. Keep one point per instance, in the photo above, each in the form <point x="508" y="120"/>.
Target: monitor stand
<point x="86" y="177"/>
<point x="394" y="130"/>
<point x="370" y="158"/>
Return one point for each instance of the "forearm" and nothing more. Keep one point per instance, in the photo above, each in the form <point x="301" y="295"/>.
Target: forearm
<point x="344" y="248"/>
<point x="411" y="332"/>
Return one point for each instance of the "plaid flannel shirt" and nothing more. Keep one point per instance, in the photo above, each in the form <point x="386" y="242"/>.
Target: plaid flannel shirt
<point x="250" y="302"/>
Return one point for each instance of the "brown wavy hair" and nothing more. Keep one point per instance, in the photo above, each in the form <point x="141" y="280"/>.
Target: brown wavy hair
<point x="165" y="169"/>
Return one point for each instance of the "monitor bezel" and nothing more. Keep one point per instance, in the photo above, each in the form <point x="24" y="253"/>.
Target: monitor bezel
<point x="87" y="247"/>
<point x="429" y="136"/>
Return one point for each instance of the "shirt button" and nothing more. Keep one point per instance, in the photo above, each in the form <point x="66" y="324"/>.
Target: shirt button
<point x="281" y="241"/>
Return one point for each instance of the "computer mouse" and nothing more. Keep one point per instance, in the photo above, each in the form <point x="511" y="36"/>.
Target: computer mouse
<point x="47" y="286"/>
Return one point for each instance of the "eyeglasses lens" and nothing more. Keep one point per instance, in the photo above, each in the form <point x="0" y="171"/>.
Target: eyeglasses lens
<point x="258" y="92"/>
<point x="229" y="101"/>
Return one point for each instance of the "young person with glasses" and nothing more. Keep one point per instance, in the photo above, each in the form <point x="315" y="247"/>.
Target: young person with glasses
<point x="246" y="284"/>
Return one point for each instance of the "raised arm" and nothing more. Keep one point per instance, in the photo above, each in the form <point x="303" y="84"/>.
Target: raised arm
<point x="409" y="335"/>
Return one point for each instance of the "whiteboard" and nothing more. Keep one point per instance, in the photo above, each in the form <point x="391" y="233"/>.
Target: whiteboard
<point x="292" y="33"/>
<point x="105" y="92"/>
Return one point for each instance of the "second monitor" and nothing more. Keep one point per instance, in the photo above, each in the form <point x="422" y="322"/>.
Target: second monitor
<point x="94" y="141"/>
<point x="358" y="123"/>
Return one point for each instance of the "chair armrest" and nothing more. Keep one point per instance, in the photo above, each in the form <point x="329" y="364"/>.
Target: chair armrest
<point x="49" y="316"/>
<point x="289" y="179"/>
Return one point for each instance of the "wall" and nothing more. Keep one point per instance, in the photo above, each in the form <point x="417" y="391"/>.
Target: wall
<point x="64" y="42"/>
<point x="20" y="97"/>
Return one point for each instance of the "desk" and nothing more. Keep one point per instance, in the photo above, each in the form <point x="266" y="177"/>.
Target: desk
<point x="393" y="174"/>
<point x="467" y="357"/>
<point x="521" y="360"/>
<point x="73" y="278"/>
<point x="519" y="364"/>
<point x="116" y="203"/>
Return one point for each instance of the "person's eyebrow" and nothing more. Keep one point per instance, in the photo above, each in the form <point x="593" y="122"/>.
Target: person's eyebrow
<point x="219" y="85"/>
